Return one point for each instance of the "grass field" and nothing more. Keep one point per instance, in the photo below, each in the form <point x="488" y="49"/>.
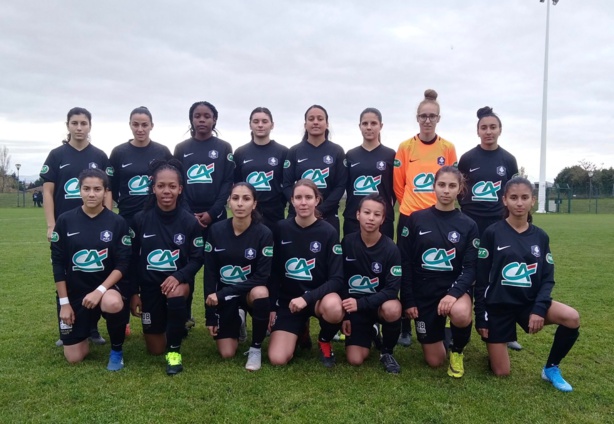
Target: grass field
<point x="37" y="385"/>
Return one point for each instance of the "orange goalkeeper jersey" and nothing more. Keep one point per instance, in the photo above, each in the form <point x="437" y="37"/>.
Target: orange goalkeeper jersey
<point x="415" y="166"/>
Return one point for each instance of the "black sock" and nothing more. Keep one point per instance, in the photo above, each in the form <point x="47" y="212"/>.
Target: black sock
<point x="460" y="337"/>
<point x="405" y="326"/>
<point x="94" y="318"/>
<point x="564" y="339"/>
<point x="390" y="335"/>
<point x="116" y="326"/>
<point x="176" y="316"/>
<point x="327" y="330"/>
<point x="189" y="301"/>
<point x="260" y="321"/>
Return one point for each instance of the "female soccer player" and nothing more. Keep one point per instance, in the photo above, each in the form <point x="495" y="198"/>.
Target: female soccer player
<point x="487" y="168"/>
<point x="260" y="163"/>
<point x="372" y="274"/>
<point x="131" y="160"/>
<point x="370" y="168"/>
<point x="439" y="254"/>
<point x="308" y="273"/>
<point x="514" y="283"/>
<point x="238" y="257"/>
<point x="318" y="159"/>
<point x="90" y="251"/>
<point x="416" y="163"/>
<point x="60" y="174"/>
<point x="167" y="254"/>
<point x="208" y="168"/>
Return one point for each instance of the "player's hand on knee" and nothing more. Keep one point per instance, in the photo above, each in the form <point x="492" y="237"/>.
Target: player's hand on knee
<point x="536" y="323"/>
<point x="92" y="299"/>
<point x="412" y="312"/>
<point x="212" y="330"/>
<point x="483" y="332"/>
<point x="211" y="300"/>
<point x="350" y="305"/>
<point x="67" y="315"/>
<point x="346" y="327"/>
<point x="136" y="306"/>
<point x="445" y="305"/>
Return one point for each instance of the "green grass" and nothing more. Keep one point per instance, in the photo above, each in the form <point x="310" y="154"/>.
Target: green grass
<point x="37" y="385"/>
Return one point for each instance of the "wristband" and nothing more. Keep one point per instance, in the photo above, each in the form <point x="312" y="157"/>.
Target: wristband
<point x="102" y="289"/>
<point x="64" y="301"/>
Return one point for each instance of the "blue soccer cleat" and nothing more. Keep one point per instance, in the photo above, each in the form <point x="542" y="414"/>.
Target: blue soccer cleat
<point x="553" y="375"/>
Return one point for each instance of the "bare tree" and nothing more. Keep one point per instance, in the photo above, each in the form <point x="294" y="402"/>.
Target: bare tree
<point x="5" y="163"/>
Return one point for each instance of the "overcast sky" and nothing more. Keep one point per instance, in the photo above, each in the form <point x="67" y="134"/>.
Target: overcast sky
<point x="112" y="56"/>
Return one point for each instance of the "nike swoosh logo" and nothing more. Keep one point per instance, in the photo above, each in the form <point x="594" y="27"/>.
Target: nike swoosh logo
<point x="350" y="259"/>
<point x="148" y="235"/>
<point x="421" y="233"/>
<point x="413" y="160"/>
<point x="501" y="248"/>
<point x="247" y="161"/>
<point x="218" y="250"/>
<point x="185" y="155"/>
<point x="352" y="165"/>
<point x="286" y="242"/>
<point x="473" y="169"/>
<point x="64" y="166"/>
<point x="126" y="164"/>
<point x="301" y="160"/>
<point x="72" y="234"/>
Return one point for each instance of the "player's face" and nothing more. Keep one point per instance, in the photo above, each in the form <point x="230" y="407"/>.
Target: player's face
<point x="489" y="131"/>
<point x="241" y="202"/>
<point x="316" y="124"/>
<point x="370" y="216"/>
<point x="431" y="112"/>
<point x="519" y="200"/>
<point x="92" y="192"/>
<point x="141" y="126"/>
<point x="167" y="189"/>
<point x="304" y="201"/>
<point x="78" y="127"/>
<point x="261" y="125"/>
<point x="447" y="188"/>
<point x="203" y="122"/>
<point x="370" y="126"/>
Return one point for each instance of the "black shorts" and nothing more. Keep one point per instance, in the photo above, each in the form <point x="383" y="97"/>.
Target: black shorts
<point x="362" y="327"/>
<point x="501" y="322"/>
<point x="228" y="319"/>
<point x="351" y="225"/>
<point x="154" y="312"/>
<point x="292" y="323"/>
<point x="430" y="327"/>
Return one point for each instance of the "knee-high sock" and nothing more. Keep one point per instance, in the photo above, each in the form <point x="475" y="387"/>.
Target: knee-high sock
<point x="460" y="337"/>
<point x="260" y="321"/>
<point x="176" y="316"/>
<point x="564" y="339"/>
<point x="94" y="318"/>
<point x="390" y="335"/>
<point x="116" y="326"/>
<point x="327" y="330"/>
<point x="405" y="325"/>
<point x="188" y="302"/>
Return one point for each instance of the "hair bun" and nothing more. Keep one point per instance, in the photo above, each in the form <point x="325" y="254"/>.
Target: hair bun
<point x="484" y="111"/>
<point x="430" y="94"/>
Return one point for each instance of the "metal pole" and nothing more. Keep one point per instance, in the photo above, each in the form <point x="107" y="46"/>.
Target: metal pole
<point x="18" y="165"/>
<point x="541" y="199"/>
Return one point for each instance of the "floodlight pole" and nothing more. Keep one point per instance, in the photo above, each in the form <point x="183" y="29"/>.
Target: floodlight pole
<point x="18" y="165"/>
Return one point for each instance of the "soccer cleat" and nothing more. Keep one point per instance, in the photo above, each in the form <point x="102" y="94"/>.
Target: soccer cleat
<point x="404" y="340"/>
<point x="339" y="337"/>
<point x="128" y="331"/>
<point x="390" y="364"/>
<point x="304" y="340"/>
<point x="59" y="343"/>
<point x="243" y="329"/>
<point x="327" y="355"/>
<point x="189" y="324"/>
<point x="514" y="345"/>
<point x="116" y="361"/>
<point x="254" y="359"/>
<point x="96" y="338"/>
<point x="173" y="363"/>
<point x="553" y="375"/>
<point x="456" y="368"/>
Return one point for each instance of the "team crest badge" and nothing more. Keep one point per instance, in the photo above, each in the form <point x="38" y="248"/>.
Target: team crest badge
<point x="106" y="236"/>
<point x="381" y="165"/>
<point x="441" y="161"/>
<point x="250" y="253"/>
<point x="535" y="251"/>
<point x="213" y="154"/>
<point x="315" y="246"/>
<point x="501" y="170"/>
<point x="376" y="267"/>
<point x="328" y="159"/>
<point x="92" y="165"/>
<point x="453" y="236"/>
<point x="273" y="161"/>
<point x="179" y="239"/>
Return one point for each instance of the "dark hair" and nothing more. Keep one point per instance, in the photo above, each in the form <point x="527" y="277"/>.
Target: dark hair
<point x="448" y="169"/>
<point x="94" y="173"/>
<point x="155" y="167"/>
<point x="517" y="181"/>
<point x="260" y="109"/>
<point x="213" y="110"/>
<point x="141" y="110"/>
<point x="76" y="111"/>
<point x="256" y="216"/>
<point x="309" y="183"/>
<point x="377" y="113"/>
<point x="430" y="96"/>
<point x="375" y="198"/>
<point x="486" y="111"/>
<point x="327" y="132"/>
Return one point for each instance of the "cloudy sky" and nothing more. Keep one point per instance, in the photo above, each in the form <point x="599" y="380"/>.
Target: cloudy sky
<point x="111" y="56"/>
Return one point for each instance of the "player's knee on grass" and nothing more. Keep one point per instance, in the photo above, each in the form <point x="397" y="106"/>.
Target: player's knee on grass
<point x="390" y="311"/>
<point x="227" y="348"/>
<point x="356" y="355"/>
<point x="258" y="292"/>
<point x="156" y="344"/>
<point x="434" y="354"/>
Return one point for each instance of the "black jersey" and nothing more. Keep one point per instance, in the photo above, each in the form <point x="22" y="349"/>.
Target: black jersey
<point x="308" y="261"/>
<point x="439" y="251"/>
<point x="369" y="172"/>
<point x="85" y="250"/>
<point x="372" y="274"/>
<point x="165" y="244"/>
<point x="486" y="173"/>
<point x="208" y="172"/>
<point x="263" y="167"/>
<point x="130" y="182"/>
<point x="514" y="269"/>
<point x="236" y="264"/>
<point x="324" y="166"/>
<point x="63" y="166"/>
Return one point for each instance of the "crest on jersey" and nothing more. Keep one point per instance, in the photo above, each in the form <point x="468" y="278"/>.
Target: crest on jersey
<point x="250" y="253"/>
<point x="376" y="267"/>
<point x="315" y="246"/>
<point x="328" y="159"/>
<point x="535" y="251"/>
<point x="179" y="239"/>
<point x="454" y="236"/>
<point x="501" y="170"/>
<point x="106" y="236"/>
<point x="441" y="161"/>
<point x="381" y="165"/>
<point x="213" y="154"/>
<point x="92" y="165"/>
<point x="273" y="161"/>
